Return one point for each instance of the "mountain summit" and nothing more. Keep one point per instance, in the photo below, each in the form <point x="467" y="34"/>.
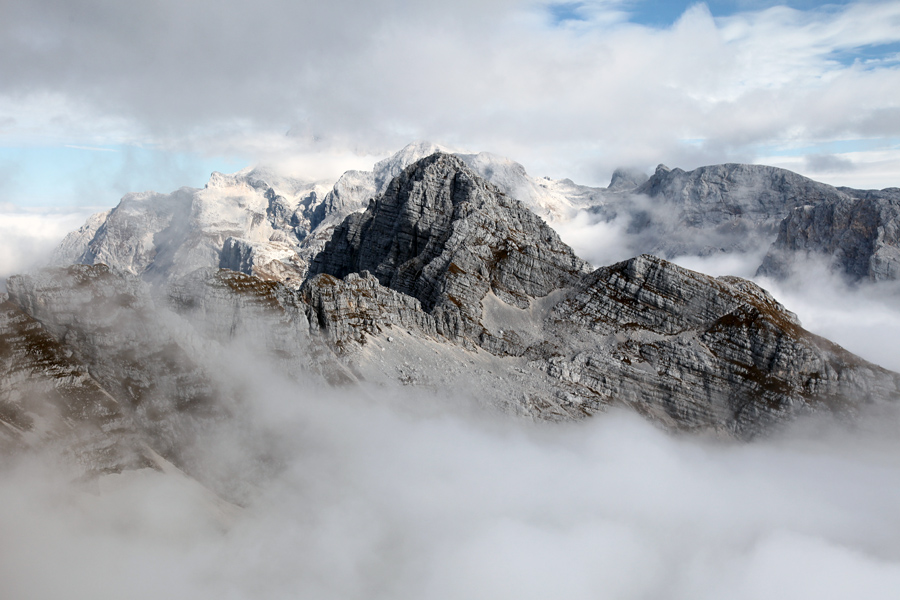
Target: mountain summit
<point x="443" y="282"/>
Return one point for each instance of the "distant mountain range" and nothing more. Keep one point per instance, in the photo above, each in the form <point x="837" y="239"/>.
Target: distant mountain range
<point x="258" y="222"/>
<point x="441" y="272"/>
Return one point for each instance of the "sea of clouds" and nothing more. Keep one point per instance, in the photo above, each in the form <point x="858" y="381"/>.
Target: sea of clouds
<point x="392" y="494"/>
<point x="371" y="493"/>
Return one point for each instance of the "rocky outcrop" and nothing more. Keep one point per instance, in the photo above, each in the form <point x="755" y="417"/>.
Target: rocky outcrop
<point x="74" y="245"/>
<point x="446" y="237"/>
<point x="111" y="324"/>
<point x="857" y="237"/>
<point x="263" y="318"/>
<point x="696" y="352"/>
<point x="626" y="180"/>
<point x="715" y="209"/>
<point x="135" y="369"/>
<point x="350" y="309"/>
<point x="48" y="399"/>
<point x="161" y="237"/>
<point x="685" y="349"/>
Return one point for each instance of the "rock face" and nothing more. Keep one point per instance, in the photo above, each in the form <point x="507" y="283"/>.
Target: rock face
<point x="697" y="352"/>
<point x="626" y="180"/>
<point x="162" y="237"/>
<point x="48" y="398"/>
<point x="858" y="236"/>
<point x="446" y="237"/>
<point x="144" y="373"/>
<point x="110" y="323"/>
<point x="714" y="209"/>
<point x="444" y="282"/>
<point x="686" y="349"/>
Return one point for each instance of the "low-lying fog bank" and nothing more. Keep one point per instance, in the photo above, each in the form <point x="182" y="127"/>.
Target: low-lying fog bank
<point x="381" y="494"/>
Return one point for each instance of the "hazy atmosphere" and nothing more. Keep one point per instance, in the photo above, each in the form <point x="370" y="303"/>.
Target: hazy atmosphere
<point x="373" y="491"/>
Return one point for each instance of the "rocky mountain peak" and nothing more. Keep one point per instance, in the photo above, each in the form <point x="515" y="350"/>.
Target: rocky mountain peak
<point x="624" y="179"/>
<point x="445" y="236"/>
<point x="385" y="170"/>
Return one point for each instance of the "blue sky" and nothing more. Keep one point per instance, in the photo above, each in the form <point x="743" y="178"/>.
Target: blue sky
<point x="71" y="175"/>
<point x="97" y="100"/>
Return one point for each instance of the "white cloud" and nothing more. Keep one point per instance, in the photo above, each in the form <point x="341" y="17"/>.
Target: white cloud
<point x="385" y="498"/>
<point x="28" y="238"/>
<point x="573" y="101"/>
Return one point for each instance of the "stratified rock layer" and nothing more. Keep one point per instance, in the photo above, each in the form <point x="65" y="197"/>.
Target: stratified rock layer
<point x="858" y="237"/>
<point x="685" y="349"/>
<point x="446" y="237"/>
<point x="698" y="352"/>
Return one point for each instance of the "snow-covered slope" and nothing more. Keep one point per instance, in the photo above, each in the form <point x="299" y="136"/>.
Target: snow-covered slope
<point x="264" y="223"/>
<point x="163" y="236"/>
<point x="260" y="222"/>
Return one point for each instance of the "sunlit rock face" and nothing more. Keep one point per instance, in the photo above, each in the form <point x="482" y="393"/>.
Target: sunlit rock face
<point x="446" y="237"/>
<point x="697" y="352"/>
<point x="445" y="282"/>
<point x="856" y="236"/>
<point x="685" y="349"/>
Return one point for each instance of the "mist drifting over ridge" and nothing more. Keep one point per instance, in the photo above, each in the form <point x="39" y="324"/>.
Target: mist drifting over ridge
<point x="381" y="490"/>
<point x="374" y="492"/>
<point x="401" y="497"/>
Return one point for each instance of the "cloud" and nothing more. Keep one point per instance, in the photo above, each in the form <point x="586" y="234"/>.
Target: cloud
<point x="573" y="99"/>
<point x="595" y="240"/>
<point x="27" y="238"/>
<point x="392" y="496"/>
<point x="828" y="162"/>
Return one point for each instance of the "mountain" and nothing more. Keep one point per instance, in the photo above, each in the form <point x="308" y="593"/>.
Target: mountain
<point x="445" y="265"/>
<point x="259" y="222"/>
<point x="857" y="236"/>
<point x="263" y="223"/>
<point x="754" y="209"/>
<point x="716" y="209"/>
<point x="445" y="236"/>
<point x="683" y="348"/>
<point x="444" y="282"/>
<point x="161" y="236"/>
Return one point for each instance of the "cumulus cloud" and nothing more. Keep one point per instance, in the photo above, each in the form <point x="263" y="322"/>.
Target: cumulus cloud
<point x="598" y="241"/>
<point x="575" y="98"/>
